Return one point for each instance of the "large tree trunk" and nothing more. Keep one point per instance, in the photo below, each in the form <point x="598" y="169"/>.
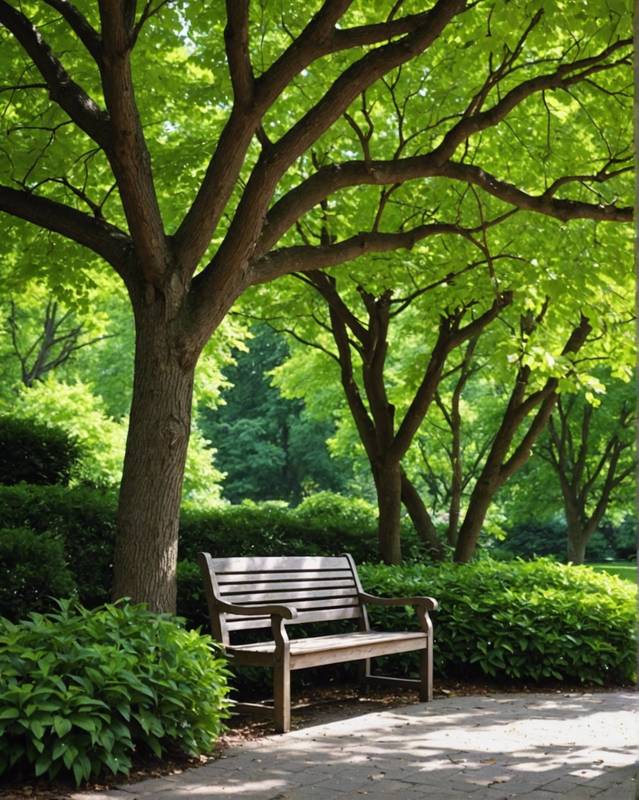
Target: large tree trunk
<point x="388" y="483"/>
<point x="151" y="489"/>
<point x="421" y="519"/>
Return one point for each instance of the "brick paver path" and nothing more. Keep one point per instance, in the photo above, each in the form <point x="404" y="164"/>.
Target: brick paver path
<point x="537" y="747"/>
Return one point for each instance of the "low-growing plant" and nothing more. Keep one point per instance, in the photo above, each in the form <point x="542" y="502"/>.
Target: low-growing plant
<point x="82" y="691"/>
<point x="33" y="570"/>
<point x="523" y="621"/>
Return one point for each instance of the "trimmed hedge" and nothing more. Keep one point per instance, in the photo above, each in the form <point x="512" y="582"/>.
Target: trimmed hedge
<point x="82" y="690"/>
<point x="33" y="570"/>
<point x="35" y="453"/>
<point x="523" y="621"/>
<point x="85" y="520"/>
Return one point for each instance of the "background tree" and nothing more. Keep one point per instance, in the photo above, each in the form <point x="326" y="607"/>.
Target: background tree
<point x="129" y="135"/>
<point x="266" y="445"/>
<point x="585" y="463"/>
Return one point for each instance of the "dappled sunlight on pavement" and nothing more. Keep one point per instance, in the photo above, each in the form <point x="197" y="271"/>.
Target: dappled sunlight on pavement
<point x="538" y="747"/>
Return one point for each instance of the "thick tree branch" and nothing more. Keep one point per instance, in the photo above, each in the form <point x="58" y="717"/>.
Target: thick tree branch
<point x="196" y="229"/>
<point x="304" y="258"/>
<point x="62" y="89"/>
<point x="542" y="204"/>
<point x="231" y="259"/>
<point x="127" y="150"/>
<point x="330" y="179"/>
<point x="236" y="38"/>
<point x="85" y="32"/>
<point x="99" y="236"/>
<point x="450" y="336"/>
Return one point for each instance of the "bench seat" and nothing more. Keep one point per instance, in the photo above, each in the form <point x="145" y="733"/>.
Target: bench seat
<point x="317" y="650"/>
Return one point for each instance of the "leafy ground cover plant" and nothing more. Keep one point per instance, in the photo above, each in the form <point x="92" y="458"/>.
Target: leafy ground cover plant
<point x="523" y="621"/>
<point x="85" y="690"/>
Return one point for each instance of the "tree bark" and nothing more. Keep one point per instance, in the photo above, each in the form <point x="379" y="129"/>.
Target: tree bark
<point x="421" y="519"/>
<point x="388" y="484"/>
<point x="576" y="549"/>
<point x="151" y="488"/>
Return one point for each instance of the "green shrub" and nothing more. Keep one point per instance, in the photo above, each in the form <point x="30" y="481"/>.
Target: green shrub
<point x="35" y="453"/>
<point x="32" y="570"/>
<point x="525" y="621"/>
<point x="83" y="690"/>
<point x="83" y="518"/>
<point x="533" y="538"/>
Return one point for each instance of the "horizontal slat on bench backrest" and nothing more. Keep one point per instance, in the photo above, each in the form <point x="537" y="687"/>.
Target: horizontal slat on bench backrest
<point x="320" y="587"/>
<point x="239" y="623"/>
<point x="290" y="597"/>
<point x="270" y="577"/>
<point x="254" y="564"/>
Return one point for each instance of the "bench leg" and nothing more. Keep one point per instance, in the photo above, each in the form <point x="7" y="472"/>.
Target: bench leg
<point x="364" y="671"/>
<point x="282" y="695"/>
<point x="426" y="672"/>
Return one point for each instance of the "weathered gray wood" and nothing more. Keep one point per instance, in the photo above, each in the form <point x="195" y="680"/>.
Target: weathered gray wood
<point x="327" y="615"/>
<point x="230" y="589"/>
<point x="276" y="564"/>
<point x="262" y="592"/>
<point x="337" y="641"/>
<point x="429" y="602"/>
<point x="281" y="577"/>
<point x="291" y="597"/>
<point x="279" y="610"/>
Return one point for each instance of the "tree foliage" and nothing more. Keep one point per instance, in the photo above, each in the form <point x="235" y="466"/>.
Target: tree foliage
<point x="198" y="151"/>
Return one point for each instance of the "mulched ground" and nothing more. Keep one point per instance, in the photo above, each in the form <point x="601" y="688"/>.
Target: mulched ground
<point x="310" y="707"/>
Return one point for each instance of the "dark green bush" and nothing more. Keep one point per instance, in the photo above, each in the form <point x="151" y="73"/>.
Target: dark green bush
<point x="528" y="539"/>
<point x="35" y="453"/>
<point x="32" y="570"/>
<point x="526" y="621"/>
<point x="268" y="529"/>
<point x="82" y="690"/>
<point x="83" y="518"/>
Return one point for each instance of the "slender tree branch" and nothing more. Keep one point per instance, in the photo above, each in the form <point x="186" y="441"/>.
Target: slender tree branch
<point x="62" y="89"/>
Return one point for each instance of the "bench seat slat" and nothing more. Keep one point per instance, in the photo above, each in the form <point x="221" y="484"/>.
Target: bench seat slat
<point x="333" y="641"/>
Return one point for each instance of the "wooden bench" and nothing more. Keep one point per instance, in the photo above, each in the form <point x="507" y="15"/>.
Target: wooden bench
<point x="271" y="592"/>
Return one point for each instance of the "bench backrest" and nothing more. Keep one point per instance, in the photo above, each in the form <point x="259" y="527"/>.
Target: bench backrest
<point x="321" y="588"/>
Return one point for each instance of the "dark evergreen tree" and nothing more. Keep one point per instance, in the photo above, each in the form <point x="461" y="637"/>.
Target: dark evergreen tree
<point x="267" y="445"/>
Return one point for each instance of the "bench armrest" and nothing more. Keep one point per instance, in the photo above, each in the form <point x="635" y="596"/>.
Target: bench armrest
<point x="286" y="612"/>
<point x="428" y="602"/>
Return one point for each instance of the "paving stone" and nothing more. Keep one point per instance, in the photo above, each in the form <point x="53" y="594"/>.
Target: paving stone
<point x="518" y="747"/>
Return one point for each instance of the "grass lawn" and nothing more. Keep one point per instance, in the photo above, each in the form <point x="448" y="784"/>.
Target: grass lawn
<point x="623" y="569"/>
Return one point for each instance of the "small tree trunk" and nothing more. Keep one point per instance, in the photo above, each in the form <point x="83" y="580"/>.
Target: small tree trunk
<point x="388" y="483"/>
<point x="470" y="529"/>
<point x="576" y="550"/>
<point x="421" y="519"/>
<point x="151" y="489"/>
